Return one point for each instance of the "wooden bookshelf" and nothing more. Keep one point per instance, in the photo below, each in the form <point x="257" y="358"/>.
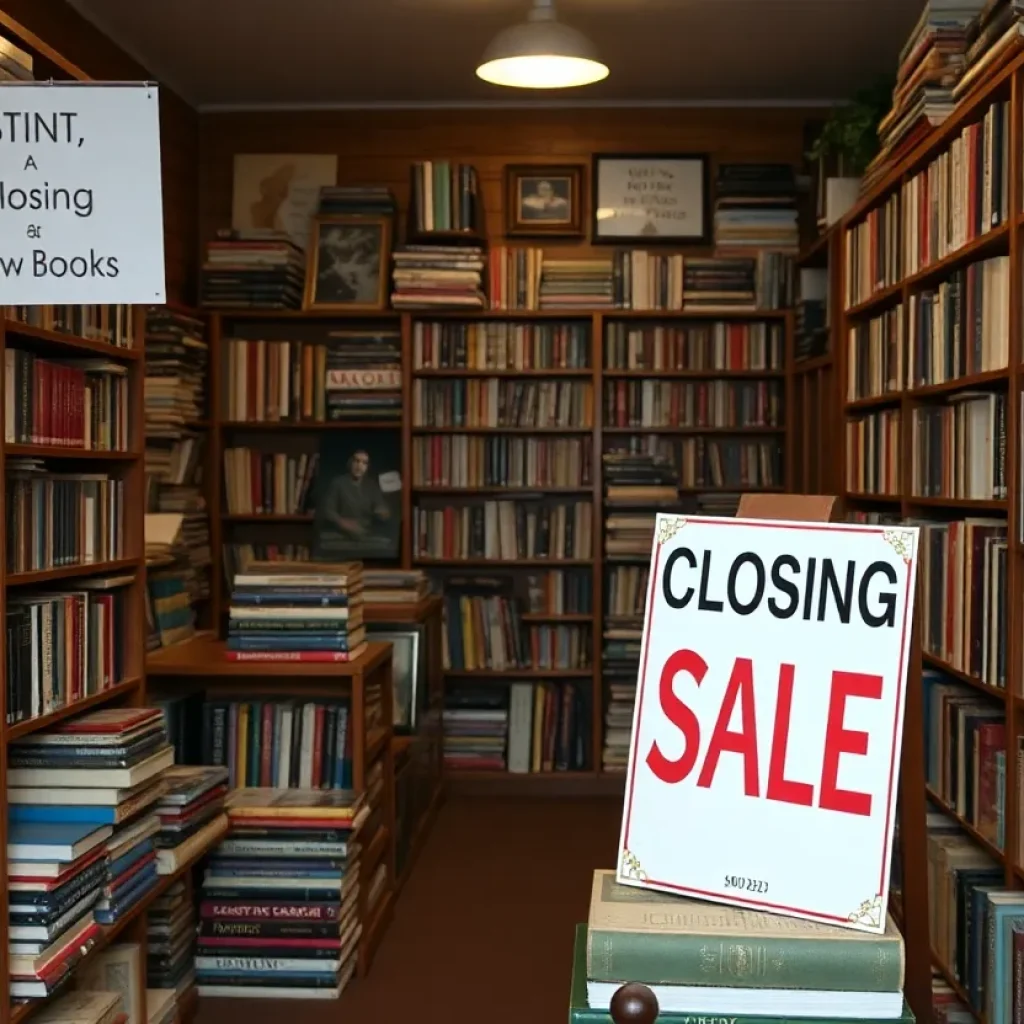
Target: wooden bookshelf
<point x="200" y="665"/>
<point x="903" y="394"/>
<point x="296" y="528"/>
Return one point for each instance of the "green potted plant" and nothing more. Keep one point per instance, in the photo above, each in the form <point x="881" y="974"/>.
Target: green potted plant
<point x="847" y="143"/>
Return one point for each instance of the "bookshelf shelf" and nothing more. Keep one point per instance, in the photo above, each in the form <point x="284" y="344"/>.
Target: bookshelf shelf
<point x="694" y="430"/>
<point x="70" y="572"/>
<point x="995" y="692"/>
<point x="988" y="846"/>
<point x="441" y="374"/>
<point x="306" y="426"/>
<point x="813" y="364"/>
<point x="694" y="374"/>
<point x="48" y="451"/>
<point x="880" y="300"/>
<point x="94" y="700"/>
<point x="967" y="504"/>
<point x="949" y="387"/>
<point x="496" y="563"/>
<point x="988" y="244"/>
<point x="57" y="343"/>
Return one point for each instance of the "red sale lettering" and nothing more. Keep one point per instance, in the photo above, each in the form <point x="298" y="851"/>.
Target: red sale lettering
<point x="744" y="742"/>
<point x="680" y="715"/>
<point x="840" y="740"/>
<point x="740" y="690"/>
<point x="786" y="791"/>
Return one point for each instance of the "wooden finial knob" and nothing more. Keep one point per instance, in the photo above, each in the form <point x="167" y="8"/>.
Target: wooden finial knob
<point x="634" y="1004"/>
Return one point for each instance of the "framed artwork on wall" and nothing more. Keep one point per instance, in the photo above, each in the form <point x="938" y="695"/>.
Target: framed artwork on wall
<point x="544" y="200"/>
<point x="408" y="667"/>
<point x="347" y="263"/>
<point x="650" y="199"/>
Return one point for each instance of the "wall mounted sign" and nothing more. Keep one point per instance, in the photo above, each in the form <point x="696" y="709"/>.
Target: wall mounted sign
<point x="81" y="207"/>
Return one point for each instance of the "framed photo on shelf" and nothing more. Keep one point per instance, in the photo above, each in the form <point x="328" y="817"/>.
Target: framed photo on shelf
<point x="647" y="199"/>
<point x="347" y="263"/>
<point x="408" y="663"/>
<point x="543" y="200"/>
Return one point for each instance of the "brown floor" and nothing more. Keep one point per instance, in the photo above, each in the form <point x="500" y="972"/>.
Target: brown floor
<point x="483" y="932"/>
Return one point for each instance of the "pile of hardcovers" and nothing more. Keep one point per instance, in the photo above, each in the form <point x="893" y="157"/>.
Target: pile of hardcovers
<point x="253" y="270"/>
<point x="357" y="201"/>
<point x="686" y="951"/>
<point x="80" y="835"/>
<point x="191" y="814"/>
<point x="429" y="276"/>
<point x="279" y="914"/>
<point x="297" y="611"/>
<point x="755" y="208"/>
<point x="171" y="942"/>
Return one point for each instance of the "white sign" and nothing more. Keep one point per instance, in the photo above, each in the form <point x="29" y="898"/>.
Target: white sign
<point x="764" y="760"/>
<point x="81" y="214"/>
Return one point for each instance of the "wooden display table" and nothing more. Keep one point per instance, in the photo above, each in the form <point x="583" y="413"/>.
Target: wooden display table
<point x="200" y="664"/>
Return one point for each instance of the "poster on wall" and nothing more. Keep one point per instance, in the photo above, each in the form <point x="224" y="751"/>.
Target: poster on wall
<point x="280" y="192"/>
<point x="769" y="716"/>
<point x="81" y="208"/>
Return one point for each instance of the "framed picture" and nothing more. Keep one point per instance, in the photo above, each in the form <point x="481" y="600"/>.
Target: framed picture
<point x="408" y="656"/>
<point x="358" y="496"/>
<point x="347" y="263"/>
<point x="645" y="199"/>
<point x="543" y="200"/>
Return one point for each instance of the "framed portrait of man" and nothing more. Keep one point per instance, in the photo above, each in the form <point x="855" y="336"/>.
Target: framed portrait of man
<point x="358" y="499"/>
<point x="347" y="263"/>
<point x="542" y="200"/>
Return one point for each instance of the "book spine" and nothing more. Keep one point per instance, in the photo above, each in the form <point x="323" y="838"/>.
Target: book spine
<point x="847" y="965"/>
<point x="311" y="657"/>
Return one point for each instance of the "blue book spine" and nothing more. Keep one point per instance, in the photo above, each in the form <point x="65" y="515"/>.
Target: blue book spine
<point x="46" y="813"/>
<point x="127" y="898"/>
<point x="303" y="643"/>
<point x="126" y="860"/>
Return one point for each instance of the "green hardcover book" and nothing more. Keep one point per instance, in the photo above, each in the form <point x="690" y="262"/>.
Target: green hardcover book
<point x="643" y="935"/>
<point x="581" y="1013"/>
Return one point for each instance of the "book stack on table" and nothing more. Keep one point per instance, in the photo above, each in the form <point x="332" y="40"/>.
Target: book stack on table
<point x="171" y="943"/>
<point x="84" y="1008"/>
<point x="80" y="836"/>
<point x="279" y="912"/>
<point x="709" y="960"/>
<point x="191" y="813"/>
<point x="297" y="611"/>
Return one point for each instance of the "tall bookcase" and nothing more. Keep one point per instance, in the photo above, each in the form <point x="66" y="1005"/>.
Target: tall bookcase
<point x="593" y="563"/>
<point x="937" y="241"/>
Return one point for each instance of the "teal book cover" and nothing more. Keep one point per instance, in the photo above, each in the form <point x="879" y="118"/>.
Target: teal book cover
<point x="581" y="1013"/>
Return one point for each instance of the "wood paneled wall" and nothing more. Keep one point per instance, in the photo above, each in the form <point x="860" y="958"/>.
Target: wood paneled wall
<point x="78" y="41"/>
<point x="377" y="147"/>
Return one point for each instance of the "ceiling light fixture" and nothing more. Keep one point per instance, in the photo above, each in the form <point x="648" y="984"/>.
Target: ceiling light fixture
<point x="541" y="53"/>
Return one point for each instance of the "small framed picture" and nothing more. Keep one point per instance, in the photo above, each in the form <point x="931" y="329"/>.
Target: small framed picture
<point x="347" y="263"/>
<point x="646" y="199"/>
<point x="408" y="657"/>
<point x="544" y="200"/>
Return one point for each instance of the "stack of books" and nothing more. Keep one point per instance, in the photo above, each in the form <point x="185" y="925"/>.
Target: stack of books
<point x="395" y="586"/>
<point x="82" y="1007"/>
<point x="175" y="374"/>
<point x="932" y="62"/>
<point x="191" y="814"/>
<point x="990" y="36"/>
<point x="171" y="942"/>
<point x="755" y="208"/>
<point x="430" y="276"/>
<point x="280" y="896"/>
<point x="252" y="270"/>
<point x="297" y="611"/>
<point x="682" y="950"/>
<point x="735" y="282"/>
<point x="55" y="871"/>
<point x="363" y="378"/>
<point x="101" y="771"/>
<point x="582" y="284"/>
<point x="475" y="729"/>
<point x="15" y="63"/>
<point x="357" y="200"/>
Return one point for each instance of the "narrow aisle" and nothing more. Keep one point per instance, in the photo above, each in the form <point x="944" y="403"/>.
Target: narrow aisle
<point x="484" y="929"/>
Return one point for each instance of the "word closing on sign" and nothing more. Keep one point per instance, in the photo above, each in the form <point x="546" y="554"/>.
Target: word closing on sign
<point x="765" y="750"/>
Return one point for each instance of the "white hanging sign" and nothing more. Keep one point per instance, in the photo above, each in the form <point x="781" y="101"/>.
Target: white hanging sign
<point x="764" y="761"/>
<point x="81" y="211"/>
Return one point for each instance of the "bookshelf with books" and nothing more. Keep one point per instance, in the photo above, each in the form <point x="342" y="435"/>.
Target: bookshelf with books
<point x="930" y="357"/>
<point x="74" y="579"/>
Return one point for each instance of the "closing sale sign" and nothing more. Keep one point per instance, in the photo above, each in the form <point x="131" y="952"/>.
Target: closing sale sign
<point x="81" y="214"/>
<point x="765" y="753"/>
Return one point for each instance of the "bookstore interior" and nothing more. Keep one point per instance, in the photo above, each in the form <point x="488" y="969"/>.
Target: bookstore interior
<point x="391" y="432"/>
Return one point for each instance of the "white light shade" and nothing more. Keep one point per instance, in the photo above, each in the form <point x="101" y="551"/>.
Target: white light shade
<point x="541" y="53"/>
